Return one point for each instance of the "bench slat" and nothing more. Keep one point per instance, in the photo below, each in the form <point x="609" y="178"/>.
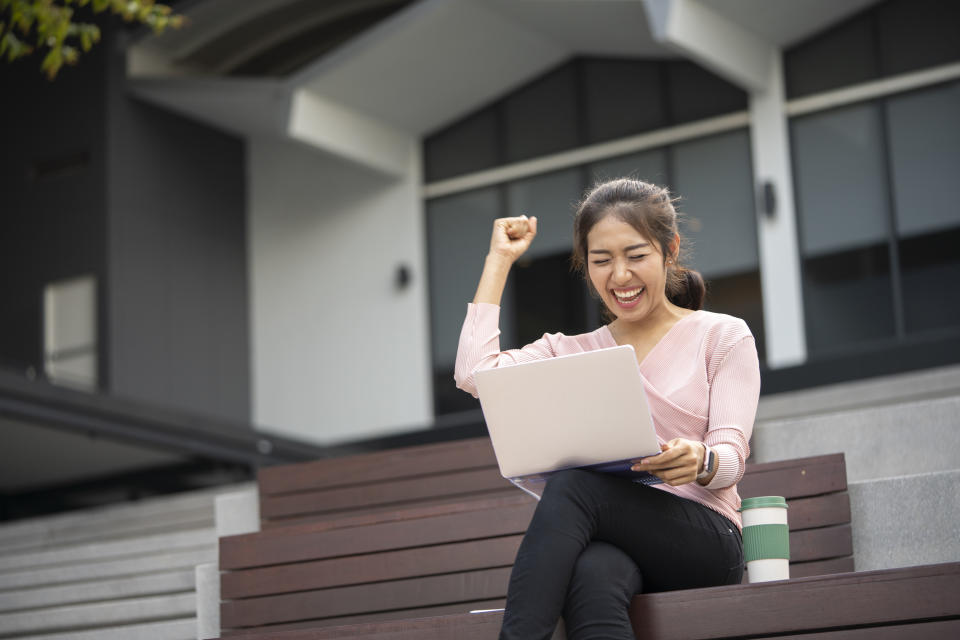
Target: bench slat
<point x="388" y="512"/>
<point x="795" y="478"/>
<point x="378" y="466"/>
<point x="443" y="623"/>
<point x="374" y="567"/>
<point x="382" y="596"/>
<point x="397" y="491"/>
<point x="820" y="544"/>
<point x="818" y="511"/>
<point x="276" y="547"/>
<point x="821" y="567"/>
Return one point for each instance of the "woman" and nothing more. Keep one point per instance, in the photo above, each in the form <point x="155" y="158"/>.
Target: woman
<point x="595" y="540"/>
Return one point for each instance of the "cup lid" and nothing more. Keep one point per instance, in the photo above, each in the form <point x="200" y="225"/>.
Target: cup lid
<point x="763" y="501"/>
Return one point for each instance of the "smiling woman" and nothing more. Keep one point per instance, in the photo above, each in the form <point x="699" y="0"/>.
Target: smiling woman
<point x="596" y="540"/>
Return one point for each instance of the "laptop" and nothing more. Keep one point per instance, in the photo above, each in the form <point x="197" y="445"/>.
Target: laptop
<point x="585" y="410"/>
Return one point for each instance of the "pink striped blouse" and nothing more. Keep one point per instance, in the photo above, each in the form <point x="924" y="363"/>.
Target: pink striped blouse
<point x="702" y="382"/>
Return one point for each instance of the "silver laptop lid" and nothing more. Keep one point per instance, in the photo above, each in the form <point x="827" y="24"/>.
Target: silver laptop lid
<point x="568" y="411"/>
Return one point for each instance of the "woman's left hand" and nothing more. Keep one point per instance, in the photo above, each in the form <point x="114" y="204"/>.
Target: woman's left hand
<point x="679" y="463"/>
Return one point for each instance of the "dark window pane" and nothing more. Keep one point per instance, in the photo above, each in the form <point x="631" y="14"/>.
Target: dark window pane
<point x="458" y="234"/>
<point x="848" y="299"/>
<point x="740" y="295"/>
<point x="458" y="229"/>
<point x="549" y="298"/>
<point x="470" y="145"/>
<point x="930" y="269"/>
<point x="695" y="93"/>
<point x="838" y="57"/>
<point x="623" y="97"/>
<point x="915" y="34"/>
<point x="541" y="118"/>
<point x="552" y="198"/>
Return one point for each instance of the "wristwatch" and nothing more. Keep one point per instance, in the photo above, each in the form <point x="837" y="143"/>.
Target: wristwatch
<point x="709" y="462"/>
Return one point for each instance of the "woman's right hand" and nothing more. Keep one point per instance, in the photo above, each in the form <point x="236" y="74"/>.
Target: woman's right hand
<point x="512" y="237"/>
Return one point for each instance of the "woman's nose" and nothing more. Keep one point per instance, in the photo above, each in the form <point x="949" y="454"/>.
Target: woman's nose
<point x="621" y="272"/>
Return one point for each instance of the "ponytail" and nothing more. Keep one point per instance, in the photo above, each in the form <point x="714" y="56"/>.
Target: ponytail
<point x="686" y="288"/>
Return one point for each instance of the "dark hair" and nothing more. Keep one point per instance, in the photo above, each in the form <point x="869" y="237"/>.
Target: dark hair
<point x="648" y="209"/>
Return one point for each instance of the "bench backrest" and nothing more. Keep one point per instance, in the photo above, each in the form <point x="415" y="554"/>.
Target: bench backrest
<point x="379" y="482"/>
<point x="452" y="553"/>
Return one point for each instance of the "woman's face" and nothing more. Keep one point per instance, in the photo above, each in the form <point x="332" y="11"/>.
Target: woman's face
<point x="626" y="269"/>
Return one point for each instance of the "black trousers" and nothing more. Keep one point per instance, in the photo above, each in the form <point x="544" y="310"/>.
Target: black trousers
<point x="596" y="540"/>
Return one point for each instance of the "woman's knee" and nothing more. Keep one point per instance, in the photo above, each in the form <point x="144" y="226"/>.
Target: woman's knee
<point x="603" y="567"/>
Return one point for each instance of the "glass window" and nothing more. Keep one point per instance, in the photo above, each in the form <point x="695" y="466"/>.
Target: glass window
<point x="840" y="179"/>
<point x="553" y="198"/>
<point x="930" y="269"/>
<point x="838" y="57"/>
<point x="924" y="135"/>
<point x="458" y="236"/>
<point x="541" y="118"/>
<point x="714" y="179"/>
<point x="549" y="298"/>
<point x="458" y="230"/>
<point x="695" y="93"/>
<point x="469" y="145"/>
<point x="915" y="34"/>
<point x="848" y="299"/>
<point x="622" y="97"/>
<point x="649" y="166"/>
<point x="740" y="296"/>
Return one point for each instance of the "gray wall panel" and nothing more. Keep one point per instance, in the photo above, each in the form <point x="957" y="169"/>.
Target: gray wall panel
<point x="178" y="283"/>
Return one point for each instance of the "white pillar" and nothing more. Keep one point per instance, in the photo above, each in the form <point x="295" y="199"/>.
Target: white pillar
<point x="777" y="232"/>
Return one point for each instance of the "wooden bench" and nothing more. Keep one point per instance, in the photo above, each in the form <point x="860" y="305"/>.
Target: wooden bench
<point x="365" y="561"/>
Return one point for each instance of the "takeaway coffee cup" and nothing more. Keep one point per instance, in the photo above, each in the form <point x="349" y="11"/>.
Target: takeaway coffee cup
<point x="766" y="538"/>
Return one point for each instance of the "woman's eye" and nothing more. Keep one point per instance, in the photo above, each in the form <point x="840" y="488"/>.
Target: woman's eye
<point x="604" y="261"/>
<point x="640" y="257"/>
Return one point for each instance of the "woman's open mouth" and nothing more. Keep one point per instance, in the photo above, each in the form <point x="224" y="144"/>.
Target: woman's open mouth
<point x="627" y="298"/>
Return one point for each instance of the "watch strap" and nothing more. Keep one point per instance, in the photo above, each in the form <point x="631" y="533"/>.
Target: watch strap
<point x="708" y="462"/>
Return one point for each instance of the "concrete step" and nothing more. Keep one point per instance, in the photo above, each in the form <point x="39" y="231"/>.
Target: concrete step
<point x="98" y="590"/>
<point x="181" y="511"/>
<point x="906" y="438"/>
<point x="106" y="569"/>
<point x="100" y="614"/>
<point x="180" y="629"/>
<point x="906" y="520"/>
<point x="115" y="549"/>
<point x="872" y="392"/>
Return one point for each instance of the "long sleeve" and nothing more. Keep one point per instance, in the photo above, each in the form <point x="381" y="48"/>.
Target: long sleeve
<point x="734" y="393"/>
<point x="479" y="346"/>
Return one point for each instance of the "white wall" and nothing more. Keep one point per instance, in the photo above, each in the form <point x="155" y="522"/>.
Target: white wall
<point x="338" y="353"/>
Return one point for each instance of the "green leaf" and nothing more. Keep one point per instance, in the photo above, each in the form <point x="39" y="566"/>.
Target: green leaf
<point x="52" y="62"/>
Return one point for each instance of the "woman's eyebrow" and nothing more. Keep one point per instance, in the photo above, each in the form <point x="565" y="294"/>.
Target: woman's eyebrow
<point x="642" y="245"/>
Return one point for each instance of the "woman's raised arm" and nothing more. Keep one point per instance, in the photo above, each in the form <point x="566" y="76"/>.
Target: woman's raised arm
<point x="511" y="237"/>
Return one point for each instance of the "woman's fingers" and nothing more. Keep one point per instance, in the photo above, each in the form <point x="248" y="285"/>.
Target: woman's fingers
<point x="678" y="464"/>
<point x="512" y="236"/>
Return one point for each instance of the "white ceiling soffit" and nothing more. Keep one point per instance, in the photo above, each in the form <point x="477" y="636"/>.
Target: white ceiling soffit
<point x="786" y="22"/>
<point x="433" y="62"/>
